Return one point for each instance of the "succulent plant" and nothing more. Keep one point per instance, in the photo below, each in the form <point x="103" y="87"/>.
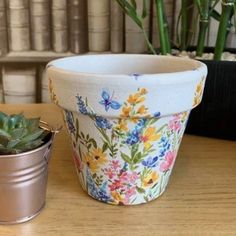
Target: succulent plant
<point x="19" y="134"/>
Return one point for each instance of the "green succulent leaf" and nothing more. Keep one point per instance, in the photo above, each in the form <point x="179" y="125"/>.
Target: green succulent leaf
<point x="19" y="134"/>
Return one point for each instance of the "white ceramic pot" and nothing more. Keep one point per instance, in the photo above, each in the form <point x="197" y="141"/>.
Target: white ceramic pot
<point x="126" y="116"/>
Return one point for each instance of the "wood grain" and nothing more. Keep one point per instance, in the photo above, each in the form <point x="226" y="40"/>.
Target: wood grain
<point x="200" y="198"/>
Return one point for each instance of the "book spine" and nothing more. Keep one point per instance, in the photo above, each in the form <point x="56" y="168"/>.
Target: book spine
<point x="135" y="40"/>
<point x="99" y="25"/>
<point x="78" y="25"/>
<point x="169" y="9"/>
<point x="19" y="84"/>
<point x="18" y="25"/>
<point x="59" y="26"/>
<point x="39" y="19"/>
<point x="3" y="29"/>
<point x="117" y="28"/>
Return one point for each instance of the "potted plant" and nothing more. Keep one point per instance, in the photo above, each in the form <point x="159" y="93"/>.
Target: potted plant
<point x="125" y="137"/>
<point x="214" y="117"/>
<point x="25" y="146"/>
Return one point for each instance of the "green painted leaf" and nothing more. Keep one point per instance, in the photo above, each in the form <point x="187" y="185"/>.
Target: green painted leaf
<point x="82" y="135"/>
<point x="126" y="158"/>
<point x="93" y="142"/>
<point x="137" y="158"/>
<point x="104" y="147"/>
<point x="140" y="190"/>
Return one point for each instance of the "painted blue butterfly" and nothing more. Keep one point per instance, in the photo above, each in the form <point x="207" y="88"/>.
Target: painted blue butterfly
<point x="108" y="102"/>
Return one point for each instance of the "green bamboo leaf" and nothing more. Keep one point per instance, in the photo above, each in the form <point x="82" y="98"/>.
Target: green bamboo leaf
<point x="144" y="12"/>
<point x="134" y="4"/>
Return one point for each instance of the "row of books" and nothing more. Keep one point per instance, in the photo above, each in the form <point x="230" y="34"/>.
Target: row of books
<point x="77" y="26"/>
<point x="24" y="84"/>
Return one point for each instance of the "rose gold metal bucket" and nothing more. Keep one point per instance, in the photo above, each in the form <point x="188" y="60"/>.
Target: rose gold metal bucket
<point x="23" y="182"/>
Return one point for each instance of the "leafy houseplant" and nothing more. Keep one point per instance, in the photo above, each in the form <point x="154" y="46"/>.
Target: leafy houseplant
<point x="24" y="155"/>
<point x="214" y="116"/>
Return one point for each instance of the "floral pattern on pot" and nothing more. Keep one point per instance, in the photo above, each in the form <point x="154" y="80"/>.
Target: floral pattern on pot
<point x="199" y="92"/>
<point x="125" y="160"/>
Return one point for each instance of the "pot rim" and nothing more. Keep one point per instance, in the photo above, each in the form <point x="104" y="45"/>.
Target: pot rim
<point x="31" y="151"/>
<point x="199" y="66"/>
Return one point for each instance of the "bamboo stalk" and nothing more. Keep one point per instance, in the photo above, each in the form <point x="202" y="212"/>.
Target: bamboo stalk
<point x="184" y="25"/>
<point x="227" y="8"/>
<point x="203" y="7"/>
<point x="163" y="28"/>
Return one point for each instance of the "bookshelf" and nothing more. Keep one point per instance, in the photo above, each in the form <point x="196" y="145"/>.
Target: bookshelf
<point x="32" y="57"/>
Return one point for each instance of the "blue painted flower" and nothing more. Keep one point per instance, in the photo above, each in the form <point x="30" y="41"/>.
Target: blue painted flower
<point x="95" y="191"/>
<point x="135" y="75"/>
<point x="150" y="162"/>
<point x="141" y="123"/>
<point x="157" y="114"/>
<point x="108" y="102"/>
<point x="133" y="137"/>
<point x="102" y="122"/>
<point x="164" y="146"/>
<point x="82" y="106"/>
<point x="70" y="121"/>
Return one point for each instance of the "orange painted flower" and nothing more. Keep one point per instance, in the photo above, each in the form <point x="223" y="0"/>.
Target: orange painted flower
<point x="150" y="179"/>
<point x="149" y="136"/>
<point x="142" y="110"/>
<point x="122" y="125"/>
<point x="143" y="91"/>
<point x="125" y="111"/>
<point x="98" y="156"/>
<point x="135" y="98"/>
<point x="91" y="164"/>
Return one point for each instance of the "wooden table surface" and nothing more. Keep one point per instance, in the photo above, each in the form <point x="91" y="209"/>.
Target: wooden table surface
<point x="199" y="200"/>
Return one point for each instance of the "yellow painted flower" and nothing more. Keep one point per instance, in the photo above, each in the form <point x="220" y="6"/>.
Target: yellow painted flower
<point x="149" y="136"/>
<point x="125" y="111"/>
<point x="143" y="91"/>
<point x="135" y="98"/>
<point x="92" y="165"/>
<point x="51" y="89"/>
<point x="117" y="197"/>
<point x="98" y="156"/>
<point x="142" y="110"/>
<point x="150" y="179"/>
<point x="198" y="92"/>
<point x="122" y="125"/>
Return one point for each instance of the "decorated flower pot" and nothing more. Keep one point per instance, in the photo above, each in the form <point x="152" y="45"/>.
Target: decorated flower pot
<point x="126" y="116"/>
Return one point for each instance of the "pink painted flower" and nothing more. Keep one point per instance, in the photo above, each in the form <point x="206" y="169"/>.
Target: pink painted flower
<point x="130" y="192"/>
<point x="116" y="184"/>
<point x="115" y="165"/>
<point x="169" y="159"/>
<point x="109" y="172"/>
<point x="174" y="125"/>
<point x="133" y="177"/>
<point x="124" y="177"/>
<point x="77" y="161"/>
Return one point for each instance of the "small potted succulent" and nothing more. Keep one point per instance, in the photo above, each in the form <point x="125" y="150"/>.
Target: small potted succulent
<point x="25" y="146"/>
